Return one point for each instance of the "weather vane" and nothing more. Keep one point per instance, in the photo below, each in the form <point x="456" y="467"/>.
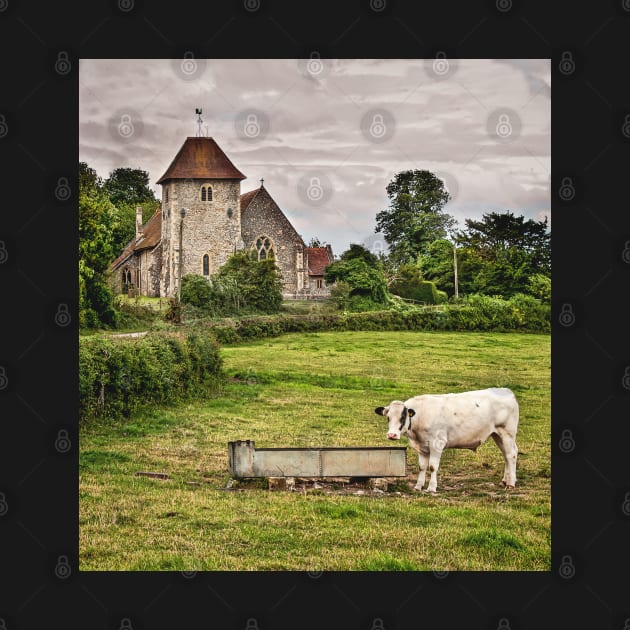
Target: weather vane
<point x="198" y="111"/>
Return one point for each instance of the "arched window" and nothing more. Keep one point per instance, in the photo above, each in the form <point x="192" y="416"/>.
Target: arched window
<point x="264" y="247"/>
<point x="126" y="280"/>
<point x="166" y="194"/>
<point x="206" y="265"/>
<point x="206" y="193"/>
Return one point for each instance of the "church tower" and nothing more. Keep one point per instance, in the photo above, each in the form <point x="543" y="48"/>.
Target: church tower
<point x="201" y="212"/>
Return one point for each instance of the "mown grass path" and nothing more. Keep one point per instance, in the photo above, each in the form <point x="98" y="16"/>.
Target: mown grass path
<point x="320" y="390"/>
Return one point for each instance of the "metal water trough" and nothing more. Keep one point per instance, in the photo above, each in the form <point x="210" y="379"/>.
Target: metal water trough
<point x="245" y="460"/>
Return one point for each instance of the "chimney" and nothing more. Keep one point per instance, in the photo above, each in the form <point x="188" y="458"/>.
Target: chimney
<point x="138" y="222"/>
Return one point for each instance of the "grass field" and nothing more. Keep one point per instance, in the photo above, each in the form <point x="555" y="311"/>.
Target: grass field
<point x="320" y="390"/>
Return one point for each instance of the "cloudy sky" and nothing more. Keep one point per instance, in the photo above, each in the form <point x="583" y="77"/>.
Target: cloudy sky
<point x="328" y="135"/>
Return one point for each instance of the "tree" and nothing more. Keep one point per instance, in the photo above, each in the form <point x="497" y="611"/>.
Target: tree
<point x="363" y="276"/>
<point x="128" y="188"/>
<point x="510" y="250"/>
<point x="359" y="252"/>
<point x="97" y="220"/>
<point x="415" y="216"/>
<point x="244" y="282"/>
<point x="410" y="284"/>
<point x="315" y="242"/>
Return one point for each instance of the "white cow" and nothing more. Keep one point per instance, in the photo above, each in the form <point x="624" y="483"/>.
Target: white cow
<point x="433" y="422"/>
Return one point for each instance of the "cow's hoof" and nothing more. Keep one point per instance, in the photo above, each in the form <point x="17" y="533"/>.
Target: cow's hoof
<point x="418" y="488"/>
<point x="432" y="490"/>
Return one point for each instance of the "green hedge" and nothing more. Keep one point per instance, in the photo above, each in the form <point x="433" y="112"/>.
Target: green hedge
<point x="476" y="313"/>
<point x="119" y="375"/>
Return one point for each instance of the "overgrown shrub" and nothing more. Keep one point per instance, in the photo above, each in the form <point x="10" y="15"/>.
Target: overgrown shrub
<point x="195" y="290"/>
<point x="119" y="375"/>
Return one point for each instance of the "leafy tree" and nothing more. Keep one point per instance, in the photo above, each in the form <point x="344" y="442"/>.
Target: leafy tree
<point x="539" y="286"/>
<point x="510" y="250"/>
<point x="245" y="283"/>
<point x="415" y="216"/>
<point x="196" y="290"/>
<point x="315" y="242"/>
<point x="128" y="188"/>
<point x="88" y="179"/>
<point x="359" y="252"/>
<point x="365" y="279"/>
<point x="97" y="220"/>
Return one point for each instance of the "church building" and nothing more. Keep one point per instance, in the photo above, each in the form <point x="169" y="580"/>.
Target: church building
<point x="204" y="218"/>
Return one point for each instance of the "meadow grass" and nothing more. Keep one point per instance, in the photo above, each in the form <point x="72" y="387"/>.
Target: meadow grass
<point x="320" y="389"/>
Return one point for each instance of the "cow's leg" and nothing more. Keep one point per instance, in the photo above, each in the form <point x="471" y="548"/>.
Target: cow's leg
<point x="434" y="463"/>
<point x="508" y="447"/>
<point x="423" y="461"/>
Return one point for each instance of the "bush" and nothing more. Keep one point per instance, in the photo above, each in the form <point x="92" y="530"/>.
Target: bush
<point x="119" y="375"/>
<point x="195" y="290"/>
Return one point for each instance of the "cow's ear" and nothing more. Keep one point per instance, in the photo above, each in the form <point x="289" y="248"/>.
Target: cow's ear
<point x="411" y="412"/>
<point x="381" y="411"/>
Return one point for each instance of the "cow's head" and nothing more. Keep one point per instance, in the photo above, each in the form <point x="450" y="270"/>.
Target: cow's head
<point x="399" y="418"/>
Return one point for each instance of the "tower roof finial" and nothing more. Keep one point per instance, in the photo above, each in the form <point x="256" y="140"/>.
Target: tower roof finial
<point x="261" y="182"/>
<point x="199" y="111"/>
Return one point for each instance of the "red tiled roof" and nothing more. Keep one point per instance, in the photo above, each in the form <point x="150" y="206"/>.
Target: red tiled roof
<point x="247" y="198"/>
<point x="318" y="259"/>
<point x="150" y="235"/>
<point x="201" y="158"/>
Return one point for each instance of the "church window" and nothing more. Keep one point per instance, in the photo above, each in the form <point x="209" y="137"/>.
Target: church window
<point x="166" y="195"/>
<point x="264" y="247"/>
<point x="206" y="265"/>
<point x="206" y="193"/>
<point x="126" y="280"/>
<point x="320" y="283"/>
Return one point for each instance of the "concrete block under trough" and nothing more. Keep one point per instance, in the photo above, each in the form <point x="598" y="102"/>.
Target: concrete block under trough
<point x="245" y="460"/>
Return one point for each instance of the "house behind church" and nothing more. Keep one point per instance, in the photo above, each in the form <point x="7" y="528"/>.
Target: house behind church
<point x="204" y="218"/>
